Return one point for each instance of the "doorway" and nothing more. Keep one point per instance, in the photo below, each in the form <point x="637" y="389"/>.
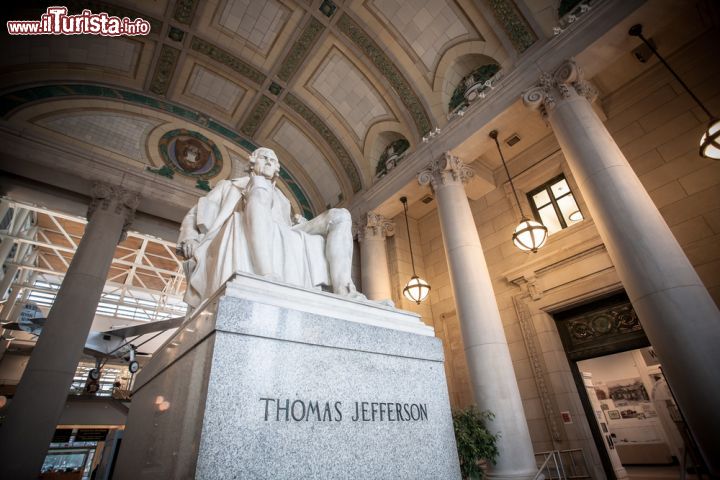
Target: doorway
<point x="629" y="407"/>
<point x="637" y="411"/>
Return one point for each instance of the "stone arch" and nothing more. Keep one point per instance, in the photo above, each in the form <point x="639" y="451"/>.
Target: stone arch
<point x="379" y="136"/>
<point x="460" y="60"/>
<point x="377" y="152"/>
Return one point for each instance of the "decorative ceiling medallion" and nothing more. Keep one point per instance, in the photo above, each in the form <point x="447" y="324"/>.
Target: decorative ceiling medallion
<point x="191" y="154"/>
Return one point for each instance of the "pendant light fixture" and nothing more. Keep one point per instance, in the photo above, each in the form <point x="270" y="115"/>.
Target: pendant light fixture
<point x="416" y="289"/>
<point x="710" y="141"/>
<point x="529" y="235"/>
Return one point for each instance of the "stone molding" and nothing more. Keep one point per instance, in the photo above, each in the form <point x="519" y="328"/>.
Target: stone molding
<point x="300" y="49"/>
<point x="257" y="116"/>
<point x="539" y="370"/>
<point x="445" y="170"/>
<point x="567" y="81"/>
<point x="373" y="225"/>
<point x="164" y="69"/>
<point x="106" y="196"/>
<point x="185" y="10"/>
<point x="513" y="23"/>
<point x="228" y="59"/>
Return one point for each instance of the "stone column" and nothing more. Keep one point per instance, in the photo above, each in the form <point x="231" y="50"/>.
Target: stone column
<point x="371" y="234"/>
<point x="43" y="389"/>
<point x="677" y="313"/>
<point x="486" y="349"/>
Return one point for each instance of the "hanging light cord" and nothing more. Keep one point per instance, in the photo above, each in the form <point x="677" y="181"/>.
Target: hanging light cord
<point x="636" y="31"/>
<point x="494" y="135"/>
<point x="407" y="226"/>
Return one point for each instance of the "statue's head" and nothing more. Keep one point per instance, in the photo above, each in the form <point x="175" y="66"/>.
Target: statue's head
<point x="263" y="161"/>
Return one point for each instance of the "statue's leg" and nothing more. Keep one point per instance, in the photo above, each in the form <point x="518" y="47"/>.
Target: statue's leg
<point x="336" y="226"/>
<point x="339" y="250"/>
<point x="259" y="225"/>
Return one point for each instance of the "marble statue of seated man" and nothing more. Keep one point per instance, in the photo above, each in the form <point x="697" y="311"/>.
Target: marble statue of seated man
<point x="244" y="225"/>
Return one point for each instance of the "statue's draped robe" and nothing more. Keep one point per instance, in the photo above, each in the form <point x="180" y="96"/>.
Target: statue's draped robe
<point x="298" y="258"/>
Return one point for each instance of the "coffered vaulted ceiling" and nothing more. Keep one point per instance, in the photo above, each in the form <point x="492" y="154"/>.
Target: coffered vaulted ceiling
<point x="327" y="84"/>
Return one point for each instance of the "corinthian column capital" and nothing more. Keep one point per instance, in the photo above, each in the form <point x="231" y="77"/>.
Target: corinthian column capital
<point x="565" y="82"/>
<point x="116" y="199"/>
<point x="373" y="224"/>
<point x="444" y="170"/>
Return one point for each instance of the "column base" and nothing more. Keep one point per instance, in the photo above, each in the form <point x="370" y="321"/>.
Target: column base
<point x="514" y="476"/>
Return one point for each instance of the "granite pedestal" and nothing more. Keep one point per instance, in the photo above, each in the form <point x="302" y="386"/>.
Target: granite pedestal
<point x="271" y="381"/>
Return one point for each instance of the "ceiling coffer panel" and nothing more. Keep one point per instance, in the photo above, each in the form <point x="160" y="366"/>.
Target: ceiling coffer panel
<point x="388" y="69"/>
<point x="349" y="92"/>
<point x="307" y="154"/>
<point x="258" y="23"/>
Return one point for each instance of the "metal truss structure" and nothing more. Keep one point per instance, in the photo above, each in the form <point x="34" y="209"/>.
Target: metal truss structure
<point x="145" y="281"/>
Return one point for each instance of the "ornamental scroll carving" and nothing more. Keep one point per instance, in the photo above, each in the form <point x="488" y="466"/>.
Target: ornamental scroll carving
<point x="373" y="225"/>
<point x="566" y="82"/>
<point x="444" y="170"/>
<point x="539" y="369"/>
<point x="116" y="199"/>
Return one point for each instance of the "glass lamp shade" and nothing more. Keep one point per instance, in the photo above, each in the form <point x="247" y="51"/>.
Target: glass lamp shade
<point x="710" y="141"/>
<point x="416" y="289"/>
<point x="530" y="235"/>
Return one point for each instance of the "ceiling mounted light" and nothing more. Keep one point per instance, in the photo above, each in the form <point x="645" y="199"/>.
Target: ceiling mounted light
<point x="575" y="216"/>
<point x="710" y="141"/>
<point x="416" y="289"/>
<point x="529" y="235"/>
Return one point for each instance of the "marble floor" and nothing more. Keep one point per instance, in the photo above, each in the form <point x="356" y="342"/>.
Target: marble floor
<point x="658" y="473"/>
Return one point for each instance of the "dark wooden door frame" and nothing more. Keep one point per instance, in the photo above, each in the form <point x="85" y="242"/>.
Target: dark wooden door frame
<point x="602" y="327"/>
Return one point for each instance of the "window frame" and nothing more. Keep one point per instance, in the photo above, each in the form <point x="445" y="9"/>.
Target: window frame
<point x="553" y="201"/>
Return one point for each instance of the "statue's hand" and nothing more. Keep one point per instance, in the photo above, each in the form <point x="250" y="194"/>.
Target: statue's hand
<point x="299" y="219"/>
<point x="187" y="248"/>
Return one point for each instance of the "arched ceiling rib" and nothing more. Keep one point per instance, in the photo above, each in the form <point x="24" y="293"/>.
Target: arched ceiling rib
<point x="340" y="70"/>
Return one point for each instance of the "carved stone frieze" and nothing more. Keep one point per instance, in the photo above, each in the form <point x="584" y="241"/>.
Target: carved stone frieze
<point x="228" y="59"/>
<point x="513" y="23"/>
<point x="602" y="328"/>
<point x="185" y="10"/>
<point x="373" y="225"/>
<point x="164" y="70"/>
<point x="116" y="199"/>
<point x="616" y="320"/>
<point x="566" y="82"/>
<point x="256" y="116"/>
<point x="446" y="169"/>
<point x="300" y="49"/>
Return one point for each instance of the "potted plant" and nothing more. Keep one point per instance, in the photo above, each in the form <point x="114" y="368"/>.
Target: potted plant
<point x="476" y="445"/>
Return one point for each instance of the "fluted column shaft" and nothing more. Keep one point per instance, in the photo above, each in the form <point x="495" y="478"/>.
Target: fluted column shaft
<point x="486" y="349"/>
<point x="41" y="394"/>
<point x="677" y="313"/>
<point x="371" y="233"/>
